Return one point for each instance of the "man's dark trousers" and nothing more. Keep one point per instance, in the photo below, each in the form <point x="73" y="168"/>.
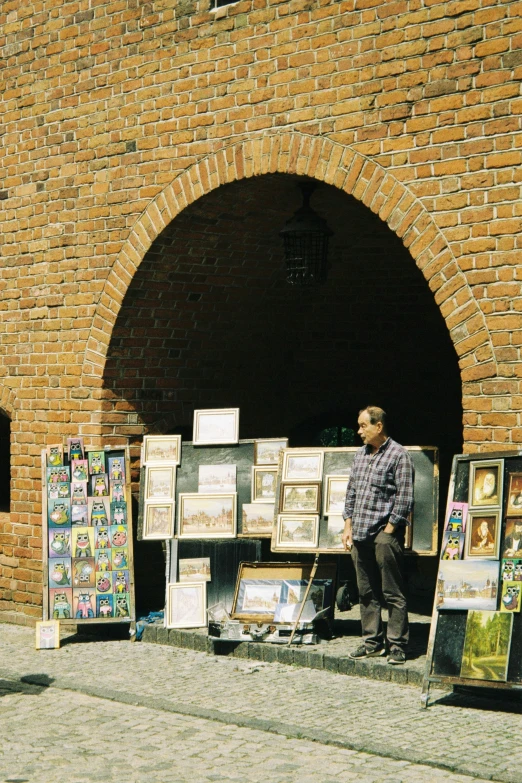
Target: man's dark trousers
<point x="378" y="565"/>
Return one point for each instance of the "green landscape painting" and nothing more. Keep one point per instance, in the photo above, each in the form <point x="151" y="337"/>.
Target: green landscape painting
<point x="486" y="645"/>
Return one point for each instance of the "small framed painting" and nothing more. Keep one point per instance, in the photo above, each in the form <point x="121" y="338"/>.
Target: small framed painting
<point x="47" y="635"/>
<point x="335" y="494"/>
<point x="485" y="483"/>
<point x="264" y="481"/>
<point x="194" y="569"/>
<point x="302" y="465"/>
<point x="514" y="498"/>
<point x="207" y="516"/>
<point x="267" y="450"/>
<point x="483" y="535"/>
<point x="220" y="425"/>
<point x="158" y="520"/>
<point x="160" y="482"/>
<point x="160" y="449"/>
<point x="257" y="519"/>
<point x="300" y="497"/>
<point x="297" y="531"/>
<point x="186" y="605"/>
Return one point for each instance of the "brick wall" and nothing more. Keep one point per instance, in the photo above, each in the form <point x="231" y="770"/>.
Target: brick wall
<point x="123" y="120"/>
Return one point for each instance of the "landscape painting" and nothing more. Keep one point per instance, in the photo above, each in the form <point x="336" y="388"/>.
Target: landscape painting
<point x="468" y="584"/>
<point x="335" y="494"/>
<point x="162" y="448"/>
<point x="266" y="452"/>
<point x="486" y="646"/>
<point x="297" y="531"/>
<point x="216" y="478"/>
<point x="207" y="516"/>
<point x="257" y="519"/>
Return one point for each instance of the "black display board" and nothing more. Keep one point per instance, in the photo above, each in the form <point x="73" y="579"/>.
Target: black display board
<point x="448" y="626"/>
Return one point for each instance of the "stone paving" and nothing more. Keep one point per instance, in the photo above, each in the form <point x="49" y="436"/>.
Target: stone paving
<point x="52" y="735"/>
<point x="290" y="714"/>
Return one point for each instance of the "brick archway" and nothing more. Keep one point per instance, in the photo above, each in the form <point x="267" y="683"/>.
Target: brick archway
<point x="334" y="164"/>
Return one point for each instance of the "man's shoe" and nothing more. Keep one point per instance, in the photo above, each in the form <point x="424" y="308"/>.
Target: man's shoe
<point x="396" y="656"/>
<point x="367" y="652"/>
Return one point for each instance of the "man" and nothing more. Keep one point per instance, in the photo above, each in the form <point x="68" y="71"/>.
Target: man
<point x="379" y="499"/>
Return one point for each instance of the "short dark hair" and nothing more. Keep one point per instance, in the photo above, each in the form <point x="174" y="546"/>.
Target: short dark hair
<point x="376" y="414"/>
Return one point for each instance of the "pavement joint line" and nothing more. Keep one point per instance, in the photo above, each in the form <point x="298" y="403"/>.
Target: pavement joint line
<point x="33" y="684"/>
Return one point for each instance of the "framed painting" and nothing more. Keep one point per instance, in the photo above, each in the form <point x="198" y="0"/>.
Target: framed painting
<point x="300" y="497"/>
<point x="297" y="531"/>
<point x="512" y="544"/>
<point x="194" y="569"/>
<point x="220" y="426"/>
<point x="186" y="605"/>
<point x="514" y="498"/>
<point x="267" y="450"/>
<point x="158" y="519"/>
<point x="257" y="519"/>
<point x="216" y="478"/>
<point x="207" y="516"/>
<point x="161" y="449"/>
<point x="483" y="535"/>
<point x="335" y="494"/>
<point x="160" y="482"/>
<point x="486" y="646"/>
<point x="264" y="480"/>
<point x="485" y="483"/>
<point x="302" y="465"/>
<point x="467" y="584"/>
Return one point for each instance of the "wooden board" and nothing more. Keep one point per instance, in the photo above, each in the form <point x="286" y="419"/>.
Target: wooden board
<point x="121" y="453"/>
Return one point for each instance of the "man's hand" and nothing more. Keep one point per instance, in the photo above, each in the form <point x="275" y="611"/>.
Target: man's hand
<point x="347" y="534"/>
<point x="390" y="529"/>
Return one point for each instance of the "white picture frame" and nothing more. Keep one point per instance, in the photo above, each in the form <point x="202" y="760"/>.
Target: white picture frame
<point x="332" y="504"/>
<point x="186" y="605"/>
<point x="161" y="450"/>
<point x="160" y="482"/>
<point x="289" y="536"/>
<point x="215" y="426"/>
<point x="267" y="450"/>
<point x="158" y="519"/>
<point x="303" y="465"/>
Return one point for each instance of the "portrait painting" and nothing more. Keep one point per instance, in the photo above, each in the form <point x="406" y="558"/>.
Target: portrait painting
<point x="300" y="497"/>
<point x="207" y="516"/>
<point x="512" y="544"/>
<point x="486" y="646"/>
<point x="160" y="482"/>
<point x="257" y="519"/>
<point x="297" y="531"/>
<point x="216" y="478"/>
<point x="514" y="498"/>
<point x="158" y="520"/>
<point x="303" y="465"/>
<point x="335" y="493"/>
<point x="212" y="426"/>
<point x="162" y="449"/>
<point x="483" y="535"/>
<point x="47" y="636"/>
<point x="186" y="605"/>
<point x="264" y="480"/>
<point x="485" y="483"/>
<point x="467" y="584"/>
<point x="267" y="450"/>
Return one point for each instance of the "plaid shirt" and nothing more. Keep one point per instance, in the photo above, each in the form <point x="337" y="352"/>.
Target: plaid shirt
<point x="380" y="489"/>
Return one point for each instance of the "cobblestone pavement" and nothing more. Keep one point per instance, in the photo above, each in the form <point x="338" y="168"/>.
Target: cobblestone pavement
<point x="121" y="711"/>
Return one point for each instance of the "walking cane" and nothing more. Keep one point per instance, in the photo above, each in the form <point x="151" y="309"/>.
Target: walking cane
<point x="308" y="586"/>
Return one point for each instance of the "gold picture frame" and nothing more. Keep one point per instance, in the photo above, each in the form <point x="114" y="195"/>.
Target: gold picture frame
<point x="485" y="483"/>
<point x="264" y="482"/>
<point x="207" y="516"/>
<point x="483" y="531"/>
<point x="300" y="498"/>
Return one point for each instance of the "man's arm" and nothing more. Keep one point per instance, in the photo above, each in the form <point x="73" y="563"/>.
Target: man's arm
<point x="349" y="506"/>
<point x="404" y="478"/>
